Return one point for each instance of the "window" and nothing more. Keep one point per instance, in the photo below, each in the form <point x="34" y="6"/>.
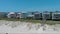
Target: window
<point x="57" y="15"/>
<point x="36" y="15"/>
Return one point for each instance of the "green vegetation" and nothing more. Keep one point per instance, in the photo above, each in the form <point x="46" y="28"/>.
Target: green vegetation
<point x="50" y="22"/>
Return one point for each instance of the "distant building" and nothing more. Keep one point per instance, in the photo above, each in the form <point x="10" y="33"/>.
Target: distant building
<point x="21" y="15"/>
<point x="30" y="15"/>
<point x="56" y="16"/>
<point x="3" y="14"/>
<point x="37" y="15"/>
<point x="46" y="15"/>
<point x="24" y="15"/>
<point x="11" y="15"/>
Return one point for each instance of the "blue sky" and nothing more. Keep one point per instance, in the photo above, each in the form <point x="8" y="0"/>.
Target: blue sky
<point x="29" y="5"/>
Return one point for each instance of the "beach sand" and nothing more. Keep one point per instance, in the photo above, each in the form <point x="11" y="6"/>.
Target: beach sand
<point x="25" y="27"/>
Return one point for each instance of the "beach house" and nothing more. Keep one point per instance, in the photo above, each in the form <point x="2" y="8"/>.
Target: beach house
<point x="46" y="15"/>
<point x="30" y="15"/>
<point x="11" y="15"/>
<point x="21" y="15"/>
<point x="3" y="14"/>
<point x="56" y="16"/>
<point x="37" y="15"/>
<point x="24" y="15"/>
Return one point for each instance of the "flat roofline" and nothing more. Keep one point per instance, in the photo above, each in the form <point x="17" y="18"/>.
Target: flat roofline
<point x="46" y="13"/>
<point x="55" y="13"/>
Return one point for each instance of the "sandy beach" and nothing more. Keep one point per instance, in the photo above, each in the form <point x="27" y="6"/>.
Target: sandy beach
<point x="25" y="27"/>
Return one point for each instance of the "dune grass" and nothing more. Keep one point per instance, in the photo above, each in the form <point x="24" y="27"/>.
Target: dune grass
<point x="50" y="22"/>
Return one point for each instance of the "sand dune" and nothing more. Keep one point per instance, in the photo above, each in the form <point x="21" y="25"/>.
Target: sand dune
<point x="23" y="27"/>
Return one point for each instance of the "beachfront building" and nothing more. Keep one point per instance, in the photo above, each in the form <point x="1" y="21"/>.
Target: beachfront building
<point x="21" y="15"/>
<point x="11" y="15"/>
<point x="46" y="15"/>
<point x="3" y="14"/>
<point x="24" y="15"/>
<point x="56" y="16"/>
<point x="37" y="15"/>
<point x="30" y="15"/>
